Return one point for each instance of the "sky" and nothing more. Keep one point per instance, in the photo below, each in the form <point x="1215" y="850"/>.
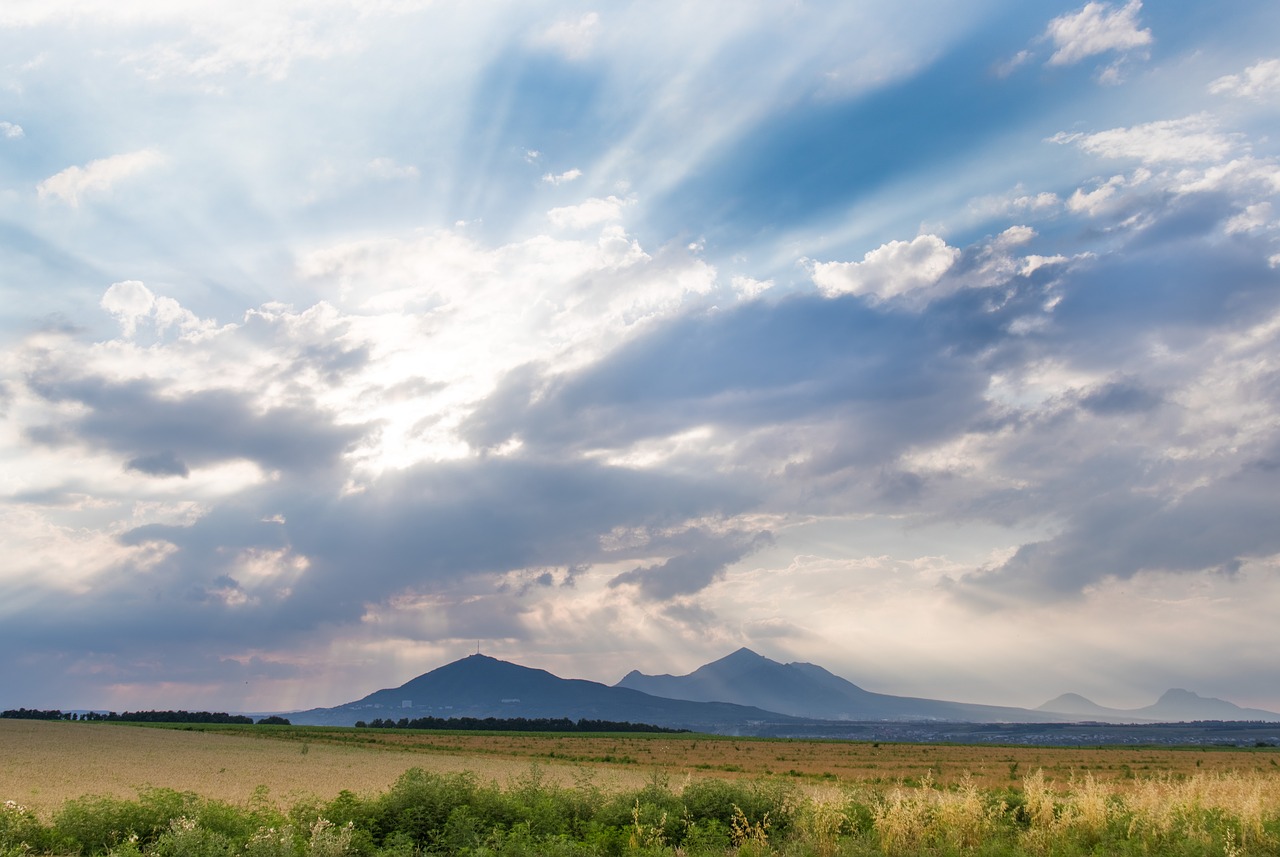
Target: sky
<point x="934" y="343"/>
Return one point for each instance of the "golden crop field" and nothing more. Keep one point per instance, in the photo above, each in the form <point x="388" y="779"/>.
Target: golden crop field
<point x="817" y="760"/>
<point x="43" y="764"/>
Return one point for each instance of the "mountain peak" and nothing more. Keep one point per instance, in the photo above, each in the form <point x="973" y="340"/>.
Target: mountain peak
<point x="1071" y="703"/>
<point x="1177" y="694"/>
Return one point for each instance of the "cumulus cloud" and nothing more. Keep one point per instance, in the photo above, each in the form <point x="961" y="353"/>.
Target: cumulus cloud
<point x="896" y="269"/>
<point x="1258" y="81"/>
<point x="1096" y="28"/>
<point x="429" y="408"/>
<point x="10" y="131"/>
<point x="131" y="302"/>
<point x="98" y="176"/>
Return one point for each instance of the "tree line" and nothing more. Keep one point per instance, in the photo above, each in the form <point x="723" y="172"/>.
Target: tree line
<point x="514" y="724"/>
<point x="140" y="716"/>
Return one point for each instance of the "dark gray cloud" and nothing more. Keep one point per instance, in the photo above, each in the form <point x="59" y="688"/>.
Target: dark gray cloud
<point x="889" y="379"/>
<point x="694" y="570"/>
<point x="452" y="529"/>
<point x="135" y="418"/>
<point x="1121" y="530"/>
<point x="1120" y="397"/>
<point x="159" y="464"/>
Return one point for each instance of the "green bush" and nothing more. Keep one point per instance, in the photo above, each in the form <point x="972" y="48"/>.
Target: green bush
<point x="97" y="824"/>
<point x="426" y="814"/>
<point x="21" y="831"/>
<point x="186" y="838"/>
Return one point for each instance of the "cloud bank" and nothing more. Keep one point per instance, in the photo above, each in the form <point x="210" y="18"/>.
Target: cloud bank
<point x="619" y="340"/>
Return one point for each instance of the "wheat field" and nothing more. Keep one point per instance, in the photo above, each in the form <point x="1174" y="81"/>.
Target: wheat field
<point x="659" y="793"/>
<point x="43" y="764"/>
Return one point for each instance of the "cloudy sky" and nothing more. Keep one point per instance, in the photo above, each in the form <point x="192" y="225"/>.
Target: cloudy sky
<point x="934" y="343"/>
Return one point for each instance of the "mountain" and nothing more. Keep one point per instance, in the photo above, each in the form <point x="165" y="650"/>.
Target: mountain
<point x="742" y="693"/>
<point x="809" y="691"/>
<point x="1173" y="706"/>
<point x="481" y="686"/>
<point x="1074" y="703"/>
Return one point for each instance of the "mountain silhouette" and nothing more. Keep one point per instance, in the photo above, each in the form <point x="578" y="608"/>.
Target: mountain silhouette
<point x="809" y="691"/>
<point x="481" y="686"/>
<point x="1173" y="706"/>
<point x="741" y="693"/>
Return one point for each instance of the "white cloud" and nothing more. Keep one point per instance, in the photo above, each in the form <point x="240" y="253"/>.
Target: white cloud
<point x="564" y="178"/>
<point x="10" y="131"/>
<point x="1254" y="217"/>
<point x="128" y="301"/>
<point x="891" y="270"/>
<point x="1096" y="29"/>
<point x="1008" y="67"/>
<point x="1014" y="236"/>
<point x="1097" y="200"/>
<point x="1257" y="81"/>
<point x="1015" y="203"/>
<point x="97" y="176"/>
<point x="574" y="39"/>
<point x="1188" y="140"/>
<point x="1033" y="263"/>
<point x="592" y="212"/>
<point x="131" y="302"/>
<point x="749" y="287"/>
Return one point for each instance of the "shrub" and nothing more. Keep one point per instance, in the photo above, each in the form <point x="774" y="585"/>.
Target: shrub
<point x="20" y="830"/>
<point x="186" y="838"/>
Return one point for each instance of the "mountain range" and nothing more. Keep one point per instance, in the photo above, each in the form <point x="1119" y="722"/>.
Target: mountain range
<point x="481" y="686"/>
<point x="809" y="691"/>
<point x="1173" y="706"/>
<point x="741" y="693"/>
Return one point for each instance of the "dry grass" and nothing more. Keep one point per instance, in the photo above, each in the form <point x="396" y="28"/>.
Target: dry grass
<point x="848" y="762"/>
<point x="44" y="764"/>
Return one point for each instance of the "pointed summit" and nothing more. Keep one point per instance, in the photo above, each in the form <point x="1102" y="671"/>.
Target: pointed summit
<point x="481" y="686"/>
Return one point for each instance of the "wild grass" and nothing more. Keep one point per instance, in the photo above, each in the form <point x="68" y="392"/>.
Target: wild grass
<point x="426" y="813"/>
<point x="179" y="793"/>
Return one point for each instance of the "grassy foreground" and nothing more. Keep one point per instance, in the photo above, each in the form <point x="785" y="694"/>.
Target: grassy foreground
<point x="456" y="814"/>
<point x="132" y="792"/>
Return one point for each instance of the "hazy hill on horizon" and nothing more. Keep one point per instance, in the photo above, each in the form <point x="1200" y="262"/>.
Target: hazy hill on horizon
<point x="809" y="691"/>
<point x="1173" y="706"/>
<point x="741" y="693"/>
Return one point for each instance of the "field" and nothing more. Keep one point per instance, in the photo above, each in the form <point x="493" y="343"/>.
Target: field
<point x="161" y="792"/>
<point x="46" y="763"/>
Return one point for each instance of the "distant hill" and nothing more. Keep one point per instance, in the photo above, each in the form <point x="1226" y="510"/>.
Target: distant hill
<point x="809" y="691"/>
<point x="481" y="686"/>
<point x="741" y="694"/>
<point x="1173" y="706"/>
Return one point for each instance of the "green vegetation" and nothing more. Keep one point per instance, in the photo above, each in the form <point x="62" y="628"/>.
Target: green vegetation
<point x="456" y="814"/>
<point x="516" y="724"/>
<point x="139" y="716"/>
